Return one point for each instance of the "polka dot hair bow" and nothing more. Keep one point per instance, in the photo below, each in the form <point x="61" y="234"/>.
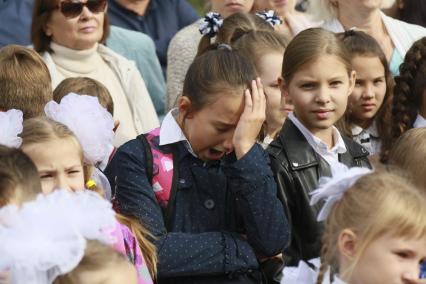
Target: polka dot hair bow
<point x="211" y="24"/>
<point x="270" y="17"/>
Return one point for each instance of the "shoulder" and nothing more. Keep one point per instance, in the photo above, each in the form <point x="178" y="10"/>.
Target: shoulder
<point x="125" y="36"/>
<point x="414" y="31"/>
<point x="186" y="36"/>
<point x="356" y="150"/>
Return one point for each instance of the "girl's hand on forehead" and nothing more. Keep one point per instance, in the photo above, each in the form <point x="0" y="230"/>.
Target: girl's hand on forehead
<point x="251" y="120"/>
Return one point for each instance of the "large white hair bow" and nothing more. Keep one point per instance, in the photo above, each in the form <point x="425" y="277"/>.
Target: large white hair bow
<point x="332" y="188"/>
<point x="88" y="120"/>
<point x="10" y="128"/>
<point x="47" y="237"/>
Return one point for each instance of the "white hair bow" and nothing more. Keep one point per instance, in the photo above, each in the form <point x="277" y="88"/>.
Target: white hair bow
<point x="47" y="237"/>
<point x="10" y="128"/>
<point x="332" y="188"/>
<point x="88" y="120"/>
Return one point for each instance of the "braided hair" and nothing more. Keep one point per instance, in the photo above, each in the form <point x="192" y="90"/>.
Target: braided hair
<point x="408" y="91"/>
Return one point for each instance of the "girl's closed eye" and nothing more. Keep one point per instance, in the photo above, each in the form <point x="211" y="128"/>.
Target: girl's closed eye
<point x="336" y="83"/>
<point x="46" y="175"/>
<point x="405" y="254"/>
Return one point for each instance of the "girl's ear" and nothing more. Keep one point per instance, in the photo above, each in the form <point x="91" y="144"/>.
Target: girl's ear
<point x="352" y="79"/>
<point x="283" y="87"/>
<point x="184" y="105"/>
<point x="347" y="243"/>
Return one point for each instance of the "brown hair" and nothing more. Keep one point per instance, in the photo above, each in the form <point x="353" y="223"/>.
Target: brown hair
<point x="214" y="71"/>
<point x="84" y="86"/>
<point x="25" y="82"/>
<point x="42" y="129"/>
<point x="232" y="27"/>
<point x="408" y="93"/>
<point x="97" y="257"/>
<point x="255" y="43"/>
<point x="359" y="43"/>
<point x="409" y="153"/>
<point x="378" y="203"/>
<point x="19" y="179"/>
<point x="310" y="44"/>
<point x="41" y="15"/>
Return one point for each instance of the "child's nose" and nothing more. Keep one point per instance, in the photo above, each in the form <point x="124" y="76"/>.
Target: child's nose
<point x="228" y="144"/>
<point x="368" y="92"/>
<point x="62" y="183"/>
<point x="323" y="95"/>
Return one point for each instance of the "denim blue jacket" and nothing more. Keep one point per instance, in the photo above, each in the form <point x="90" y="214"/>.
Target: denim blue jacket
<point x="226" y="214"/>
<point x="162" y="20"/>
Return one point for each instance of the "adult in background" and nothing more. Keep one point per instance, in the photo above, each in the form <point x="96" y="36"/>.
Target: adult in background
<point x="395" y="37"/>
<point x="410" y="11"/>
<point x="69" y="36"/>
<point x="160" y="19"/>
<point x="15" y="28"/>
<point x="184" y="45"/>
<point x="293" y="22"/>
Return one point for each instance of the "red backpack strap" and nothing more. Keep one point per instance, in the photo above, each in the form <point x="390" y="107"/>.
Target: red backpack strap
<point x="162" y="168"/>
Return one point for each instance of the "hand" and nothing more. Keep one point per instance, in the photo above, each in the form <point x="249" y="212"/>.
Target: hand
<point x="5" y="277"/>
<point x="251" y="120"/>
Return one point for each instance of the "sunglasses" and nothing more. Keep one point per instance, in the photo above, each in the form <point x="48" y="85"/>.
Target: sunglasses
<point x="71" y="8"/>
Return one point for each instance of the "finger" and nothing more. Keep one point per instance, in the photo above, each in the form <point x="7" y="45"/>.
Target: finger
<point x="248" y="102"/>
<point x="262" y="96"/>
<point x="255" y="95"/>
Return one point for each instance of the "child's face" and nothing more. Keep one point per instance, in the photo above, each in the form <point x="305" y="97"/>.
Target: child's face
<point x="319" y="92"/>
<point x="276" y="109"/>
<point x="369" y="91"/>
<point x="390" y="259"/>
<point x="123" y="272"/>
<point x="59" y="164"/>
<point x="210" y="130"/>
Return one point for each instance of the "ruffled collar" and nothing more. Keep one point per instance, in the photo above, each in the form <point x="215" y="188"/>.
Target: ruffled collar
<point x="371" y="130"/>
<point x="76" y="61"/>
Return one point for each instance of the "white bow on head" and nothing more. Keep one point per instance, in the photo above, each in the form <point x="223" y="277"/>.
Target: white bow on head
<point x="47" y="237"/>
<point x="88" y="120"/>
<point x="10" y="128"/>
<point x="332" y="188"/>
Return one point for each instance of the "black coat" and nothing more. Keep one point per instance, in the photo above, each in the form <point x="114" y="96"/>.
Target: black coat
<point x="297" y="169"/>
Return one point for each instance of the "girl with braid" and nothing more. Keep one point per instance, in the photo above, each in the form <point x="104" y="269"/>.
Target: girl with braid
<point x="375" y="231"/>
<point x="409" y="102"/>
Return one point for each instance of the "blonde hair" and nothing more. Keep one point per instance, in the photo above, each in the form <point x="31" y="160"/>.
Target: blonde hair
<point x="378" y="203"/>
<point x="25" y="82"/>
<point x="85" y="86"/>
<point x="43" y="129"/>
<point x="97" y="257"/>
<point x="409" y="153"/>
<point x="19" y="180"/>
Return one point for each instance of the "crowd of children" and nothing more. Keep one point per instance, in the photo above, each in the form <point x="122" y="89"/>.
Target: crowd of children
<point x="285" y="160"/>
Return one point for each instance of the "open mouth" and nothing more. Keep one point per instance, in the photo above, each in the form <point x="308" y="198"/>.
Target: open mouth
<point x="216" y="154"/>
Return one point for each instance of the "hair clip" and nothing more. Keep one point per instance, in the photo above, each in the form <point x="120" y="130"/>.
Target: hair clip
<point x="270" y="17"/>
<point x="224" y="46"/>
<point x="350" y="32"/>
<point x="211" y="24"/>
<point x="332" y="188"/>
<point x="11" y="127"/>
<point x="90" y="184"/>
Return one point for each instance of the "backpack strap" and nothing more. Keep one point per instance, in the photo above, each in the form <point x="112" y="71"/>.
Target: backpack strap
<point x="161" y="168"/>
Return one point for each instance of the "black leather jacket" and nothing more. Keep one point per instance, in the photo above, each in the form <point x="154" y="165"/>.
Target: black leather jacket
<point x="297" y="169"/>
